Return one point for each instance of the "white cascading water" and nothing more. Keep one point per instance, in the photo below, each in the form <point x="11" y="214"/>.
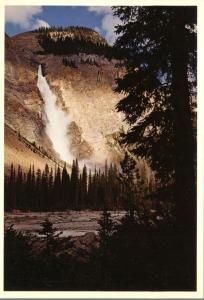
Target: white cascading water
<point x="57" y="120"/>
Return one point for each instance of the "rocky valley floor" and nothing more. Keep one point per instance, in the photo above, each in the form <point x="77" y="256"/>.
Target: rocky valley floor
<point x="70" y="223"/>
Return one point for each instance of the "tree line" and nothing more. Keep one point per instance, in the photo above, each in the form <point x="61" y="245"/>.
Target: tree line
<point x="75" y="30"/>
<point x="51" y="190"/>
<point x="71" y="63"/>
<point x="81" y="42"/>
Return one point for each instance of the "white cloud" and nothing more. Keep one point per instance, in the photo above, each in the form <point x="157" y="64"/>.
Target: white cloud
<point x="108" y="25"/>
<point x="96" y="28"/>
<point x="40" y="23"/>
<point x="22" y="15"/>
<point x="108" y="21"/>
<point x="100" y="10"/>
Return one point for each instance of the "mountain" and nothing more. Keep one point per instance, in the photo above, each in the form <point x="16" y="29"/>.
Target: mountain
<point x="83" y="83"/>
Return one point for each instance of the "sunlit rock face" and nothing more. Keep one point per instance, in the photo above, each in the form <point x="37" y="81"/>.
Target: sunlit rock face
<point x="84" y="92"/>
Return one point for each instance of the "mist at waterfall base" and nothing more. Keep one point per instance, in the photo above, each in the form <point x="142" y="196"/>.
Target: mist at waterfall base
<point x="57" y="120"/>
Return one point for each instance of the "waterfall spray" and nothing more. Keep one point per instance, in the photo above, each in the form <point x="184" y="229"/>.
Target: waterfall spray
<point x="57" y="120"/>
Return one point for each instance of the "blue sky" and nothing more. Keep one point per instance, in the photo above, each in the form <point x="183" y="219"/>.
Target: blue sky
<point x="24" y="18"/>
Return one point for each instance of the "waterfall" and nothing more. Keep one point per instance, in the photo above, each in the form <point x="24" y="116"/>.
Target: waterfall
<point x="57" y="120"/>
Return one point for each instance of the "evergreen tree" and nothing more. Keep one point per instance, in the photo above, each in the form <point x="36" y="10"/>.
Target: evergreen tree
<point x="12" y="187"/>
<point x="57" y="191"/>
<point x="29" y="190"/>
<point x="45" y="189"/>
<point x="84" y="187"/>
<point x="107" y="186"/>
<point x="51" y="234"/>
<point x="94" y="190"/>
<point x="74" y="184"/>
<point x="6" y="192"/>
<point x="106" y="229"/>
<point x="102" y="194"/>
<point x="160" y="44"/>
<point x="19" y="189"/>
<point x="38" y="190"/>
<point x="65" y="187"/>
<point x="90" y="190"/>
<point x="18" y="260"/>
<point x="128" y="181"/>
<point x="51" y="179"/>
<point x="33" y="188"/>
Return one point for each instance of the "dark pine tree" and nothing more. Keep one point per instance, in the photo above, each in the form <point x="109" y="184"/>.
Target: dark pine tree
<point x="51" y="236"/>
<point x="106" y="229"/>
<point x="84" y="188"/>
<point x="160" y="44"/>
<point x="160" y="89"/>
<point x="127" y="178"/>
<point x="38" y="191"/>
<point x="57" y="191"/>
<point x="105" y="256"/>
<point x="74" y="184"/>
<point x="8" y="190"/>
<point x="18" y="260"/>
<point x="11" y="201"/>
<point x="50" y="187"/>
<point x="44" y="188"/>
<point x="65" y="188"/>
<point x="33" y="187"/>
<point x="29" y="190"/>
<point x="19" y="189"/>
<point x="90" y="190"/>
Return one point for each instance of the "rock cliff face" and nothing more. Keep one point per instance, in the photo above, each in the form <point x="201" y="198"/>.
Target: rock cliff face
<point x="84" y="89"/>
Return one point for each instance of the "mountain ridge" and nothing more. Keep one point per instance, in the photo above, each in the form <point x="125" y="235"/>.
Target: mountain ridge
<point x="78" y="32"/>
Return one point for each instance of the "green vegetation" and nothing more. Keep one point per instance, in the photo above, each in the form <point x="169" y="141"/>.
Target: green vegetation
<point x="159" y="88"/>
<point x="67" y="61"/>
<point x="75" y="40"/>
<point x="76" y="32"/>
<point x="72" y="40"/>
